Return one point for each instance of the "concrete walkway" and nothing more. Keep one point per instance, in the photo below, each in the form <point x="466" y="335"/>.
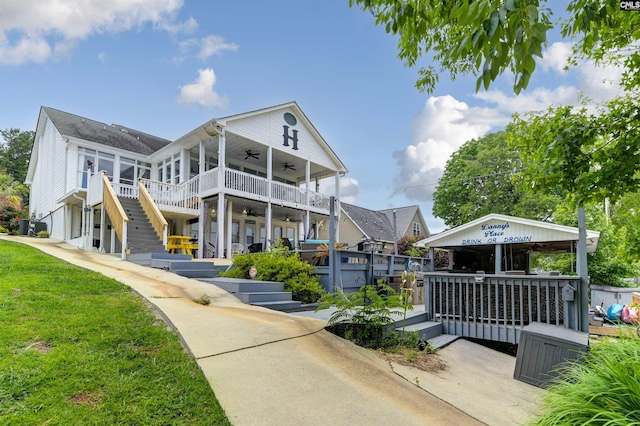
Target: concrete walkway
<point x="272" y="368"/>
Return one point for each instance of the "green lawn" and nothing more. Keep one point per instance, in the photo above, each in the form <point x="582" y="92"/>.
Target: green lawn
<point x="79" y="348"/>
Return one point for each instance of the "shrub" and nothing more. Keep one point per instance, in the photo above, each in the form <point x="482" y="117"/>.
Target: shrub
<point x="604" y="389"/>
<point x="280" y="265"/>
<point x="3" y="230"/>
<point x="366" y="314"/>
<point x="407" y="247"/>
<point x="43" y="234"/>
<point x="10" y="218"/>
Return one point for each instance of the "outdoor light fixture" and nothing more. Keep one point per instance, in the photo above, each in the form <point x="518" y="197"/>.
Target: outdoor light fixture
<point x="286" y="219"/>
<point x="213" y="211"/>
<point x="244" y="211"/>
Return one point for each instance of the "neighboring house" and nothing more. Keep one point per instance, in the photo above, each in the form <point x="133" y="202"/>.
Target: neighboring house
<point x="236" y="181"/>
<point x="374" y="230"/>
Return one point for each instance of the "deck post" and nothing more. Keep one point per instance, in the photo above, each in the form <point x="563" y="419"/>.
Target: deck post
<point x="581" y="252"/>
<point x="332" y="243"/>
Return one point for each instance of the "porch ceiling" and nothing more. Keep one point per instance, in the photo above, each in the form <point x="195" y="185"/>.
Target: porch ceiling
<point x="238" y="147"/>
<point x="256" y="209"/>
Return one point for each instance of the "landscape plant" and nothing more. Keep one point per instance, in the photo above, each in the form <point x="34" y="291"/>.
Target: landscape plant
<point x="367" y="315"/>
<point x="602" y="390"/>
<point x="77" y="348"/>
<point x="10" y="218"/>
<point x="281" y="265"/>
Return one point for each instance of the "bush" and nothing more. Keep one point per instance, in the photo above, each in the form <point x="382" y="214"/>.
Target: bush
<point x="407" y="247"/>
<point x="10" y="218"/>
<point x="43" y="234"/>
<point x="280" y="265"/>
<point x="604" y="389"/>
<point x="366" y="315"/>
<point x="3" y="230"/>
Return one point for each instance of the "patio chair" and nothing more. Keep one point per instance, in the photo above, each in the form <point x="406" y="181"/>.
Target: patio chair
<point x="255" y="248"/>
<point x="236" y="248"/>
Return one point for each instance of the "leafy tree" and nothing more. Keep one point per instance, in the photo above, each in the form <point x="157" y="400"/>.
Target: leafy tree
<point x="479" y="179"/>
<point x="625" y="217"/>
<point x="594" y="156"/>
<point x="12" y="193"/>
<point x="487" y="38"/>
<point x="15" y="152"/>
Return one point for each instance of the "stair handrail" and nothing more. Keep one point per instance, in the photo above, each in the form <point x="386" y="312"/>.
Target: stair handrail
<point x="119" y="219"/>
<point x="159" y="223"/>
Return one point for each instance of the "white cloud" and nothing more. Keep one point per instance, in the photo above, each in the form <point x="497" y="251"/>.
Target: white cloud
<point x="555" y="57"/>
<point x="207" y="46"/>
<point x="535" y="100"/>
<point x="214" y="44"/>
<point x="37" y="31"/>
<point x="349" y="188"/>
<point x="102" y="57"/>
<point x="442" y="127"/>
<point x="201" y="91"/>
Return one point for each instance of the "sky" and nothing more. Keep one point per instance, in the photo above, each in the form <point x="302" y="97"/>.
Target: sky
<point x="166" y="66"/>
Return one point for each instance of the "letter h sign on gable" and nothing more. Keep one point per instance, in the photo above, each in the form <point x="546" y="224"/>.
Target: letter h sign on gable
<point x="293" y="138"/>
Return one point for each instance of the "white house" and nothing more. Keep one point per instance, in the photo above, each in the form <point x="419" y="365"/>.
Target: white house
<point x="231" y="183"/>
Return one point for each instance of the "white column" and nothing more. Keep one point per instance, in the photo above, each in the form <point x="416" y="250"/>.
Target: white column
<point x="337" y="207"/>
<point x="220" y="244"/>
<point x="267" y="216"/>
<point x="229" y="227"/>
<point x="103" y="227"/>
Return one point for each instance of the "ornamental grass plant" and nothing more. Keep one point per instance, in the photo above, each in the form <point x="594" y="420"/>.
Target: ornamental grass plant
<point x="602" y="390"/>
<point x="80" y="348"/>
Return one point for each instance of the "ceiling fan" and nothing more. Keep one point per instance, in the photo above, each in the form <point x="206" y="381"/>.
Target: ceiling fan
<point x="288" y="166"/>
<point x="251" y="154"/>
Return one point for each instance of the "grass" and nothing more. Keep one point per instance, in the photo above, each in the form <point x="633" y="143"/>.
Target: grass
<point x="79" y="348"/>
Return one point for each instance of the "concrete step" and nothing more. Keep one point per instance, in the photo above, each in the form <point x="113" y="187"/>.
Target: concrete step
<point x="197" y="274"/>
<point x="259" y="297"/>
<point x="426" y="330"/>
<point x="147" y="258"/>
<point x="442" y="341"/>
<point x="176" y="265"/>
<point x="238" y="285"/>
<point x="280" y="306"/>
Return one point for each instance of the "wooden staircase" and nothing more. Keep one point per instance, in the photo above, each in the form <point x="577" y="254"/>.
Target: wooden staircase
<point x="141" y="237"/>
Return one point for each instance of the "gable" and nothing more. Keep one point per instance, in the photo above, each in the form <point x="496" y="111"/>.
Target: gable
<point x="502" y="229"/>
<point x="287" y="129"/>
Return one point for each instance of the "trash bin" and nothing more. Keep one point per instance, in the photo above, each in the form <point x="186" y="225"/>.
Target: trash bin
<point x="24" y="227"/>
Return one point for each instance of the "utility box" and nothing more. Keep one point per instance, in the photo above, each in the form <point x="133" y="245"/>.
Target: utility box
<point x="543" y="347"/>
<point x="35" y="227"/>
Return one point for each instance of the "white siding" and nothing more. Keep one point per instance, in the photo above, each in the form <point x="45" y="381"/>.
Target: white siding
<point x="267" y="129"/>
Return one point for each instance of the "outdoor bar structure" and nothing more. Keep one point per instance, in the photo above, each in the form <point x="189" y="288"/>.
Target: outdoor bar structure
<point x="490" y="292"/>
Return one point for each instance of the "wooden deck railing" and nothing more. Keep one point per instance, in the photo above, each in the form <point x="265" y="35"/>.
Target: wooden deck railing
<point x="174" y="198"/>
<point x="119" y="219"/>
<point x="496" y="307"/>
<point x="152" y="211"/>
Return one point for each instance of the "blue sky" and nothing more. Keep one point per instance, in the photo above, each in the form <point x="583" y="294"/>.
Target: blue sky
<point x="167" y="66"/>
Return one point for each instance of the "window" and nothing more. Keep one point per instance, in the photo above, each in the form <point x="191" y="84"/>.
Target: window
<point x="416" y="229"/>
<point x="86" y="162"/>
<point x="235" y="232"/>
<point x="105" y="162"/>
<point x="127" y="171"/>
<point x="251" y="234"/>
<point x="277" y="232"/>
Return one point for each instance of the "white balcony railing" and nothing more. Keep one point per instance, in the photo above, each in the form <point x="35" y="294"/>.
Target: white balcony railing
<point x="176" y="198"/>
<point x="258" y="188"/>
